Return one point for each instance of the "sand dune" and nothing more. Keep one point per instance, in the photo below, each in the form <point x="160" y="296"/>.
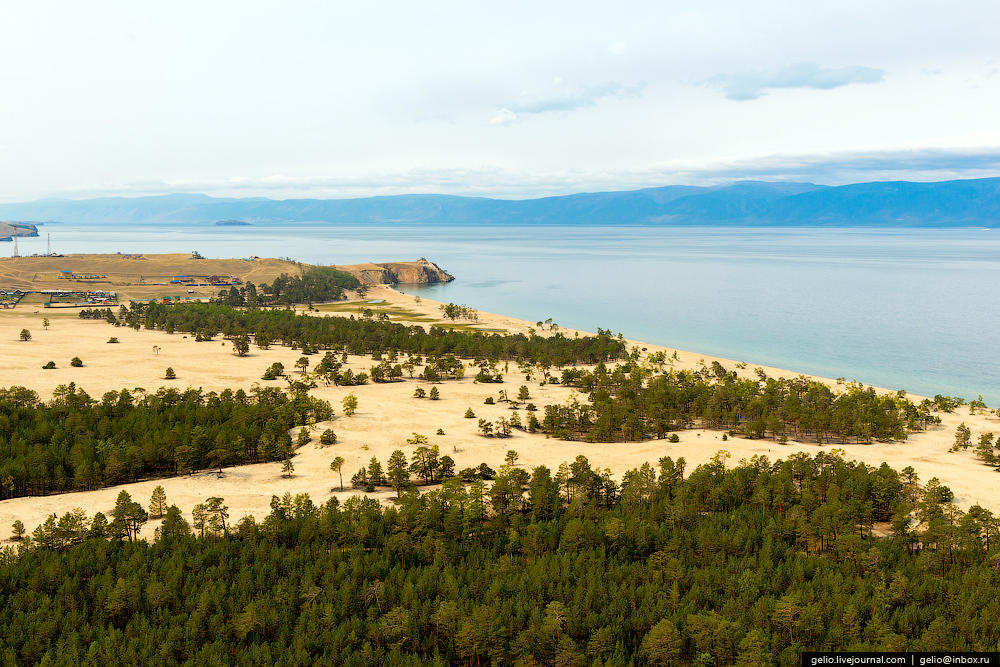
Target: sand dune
<point x="387" y="416"/>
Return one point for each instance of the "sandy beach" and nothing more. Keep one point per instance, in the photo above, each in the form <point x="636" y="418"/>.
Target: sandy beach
<point x="388" y="414"/>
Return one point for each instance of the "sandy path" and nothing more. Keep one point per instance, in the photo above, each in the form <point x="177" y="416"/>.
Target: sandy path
<point x="387" y="416"/>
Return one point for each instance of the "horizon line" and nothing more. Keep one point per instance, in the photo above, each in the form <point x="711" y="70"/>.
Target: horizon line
<point x="525" y="197"/>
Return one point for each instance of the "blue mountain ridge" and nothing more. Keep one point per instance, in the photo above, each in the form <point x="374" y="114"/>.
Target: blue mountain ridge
<point x="974" y="202"/>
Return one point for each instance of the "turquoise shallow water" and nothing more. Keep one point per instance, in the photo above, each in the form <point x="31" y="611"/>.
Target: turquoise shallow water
<point x="914" y="309"/>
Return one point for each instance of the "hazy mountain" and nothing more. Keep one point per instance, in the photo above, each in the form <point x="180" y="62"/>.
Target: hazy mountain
<point x="942" y="204"/>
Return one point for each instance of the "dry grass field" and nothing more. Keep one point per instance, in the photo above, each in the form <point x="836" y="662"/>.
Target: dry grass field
<point x="136" y="276"/>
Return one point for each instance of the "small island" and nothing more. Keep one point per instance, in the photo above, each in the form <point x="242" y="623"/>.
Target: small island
<point x="232" y="223"/>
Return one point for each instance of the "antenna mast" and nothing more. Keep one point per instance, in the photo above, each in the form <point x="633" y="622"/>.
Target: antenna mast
<point x="48" y="250"/>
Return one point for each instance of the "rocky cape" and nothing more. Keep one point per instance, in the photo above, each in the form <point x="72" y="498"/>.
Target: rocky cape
<point x="421" y="271"/>
<point x="8" y="230"/>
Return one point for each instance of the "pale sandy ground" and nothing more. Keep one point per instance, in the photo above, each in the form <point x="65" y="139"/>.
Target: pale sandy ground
<point x="387" y="416"/>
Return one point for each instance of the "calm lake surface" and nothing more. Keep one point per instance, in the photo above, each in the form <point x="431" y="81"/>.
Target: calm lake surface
<point x="914" y="309"/>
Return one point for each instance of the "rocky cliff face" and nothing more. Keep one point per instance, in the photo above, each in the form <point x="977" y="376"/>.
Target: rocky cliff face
<point x="421" y="271"/>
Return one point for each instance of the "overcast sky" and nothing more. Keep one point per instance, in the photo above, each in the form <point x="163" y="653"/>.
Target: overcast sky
<point x="511" y="99"/>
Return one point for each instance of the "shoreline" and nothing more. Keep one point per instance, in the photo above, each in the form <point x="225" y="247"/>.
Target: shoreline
<point x="687" y="357"/>
<point x="389" y="414"/>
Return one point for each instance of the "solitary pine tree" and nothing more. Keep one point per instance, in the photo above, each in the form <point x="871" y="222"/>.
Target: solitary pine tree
<point x="287" y="467"/>
<point x="17" y="530"/>
<point x="241" y="345"/>
<point x="963" y="437"/>
<point x="337" y="465"/>
<point x="158" y="503"/>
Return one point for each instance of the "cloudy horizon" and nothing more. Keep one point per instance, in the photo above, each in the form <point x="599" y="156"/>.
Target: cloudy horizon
<point x="305" y="99"/>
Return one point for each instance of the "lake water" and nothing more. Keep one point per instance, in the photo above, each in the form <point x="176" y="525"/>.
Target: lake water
<point x="914" y="309"/>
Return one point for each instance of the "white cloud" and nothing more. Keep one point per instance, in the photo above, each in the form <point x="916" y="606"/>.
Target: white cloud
<point x="799" y="75"/>
<point x="565" y="98"/>
<point x="503" y="116"/>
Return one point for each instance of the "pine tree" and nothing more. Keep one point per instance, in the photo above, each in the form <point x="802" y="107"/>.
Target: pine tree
<point x="984" y="450"/>
<point x="17" y="529"/>
<point x="375" y="475"/>
<point x="754" y="651"/>
<point x="963" y="437"/>
<point x="241" y="345"/>
<point x="337" y="465"/>
<point x="287" y="467"/>
<point x="216" y="515"/>
<point x="157" y="503"/>
<point x="200" y="516"/>
<point x="662" y="644"/>
<point x="129" y="516"/>
<point x="174" y="525"/>
<point x="398" y="471"/>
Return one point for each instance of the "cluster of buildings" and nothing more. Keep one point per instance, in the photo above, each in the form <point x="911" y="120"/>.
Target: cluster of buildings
<point x="70" y="275"/>
<point x="205" y="281"/>
<point x="70" y="298"/>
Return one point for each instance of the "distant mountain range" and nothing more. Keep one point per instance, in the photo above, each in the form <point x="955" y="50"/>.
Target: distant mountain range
<point x="888" y="204"/>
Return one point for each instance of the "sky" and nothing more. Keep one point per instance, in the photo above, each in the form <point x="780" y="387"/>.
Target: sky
<point x="513" y="99"/>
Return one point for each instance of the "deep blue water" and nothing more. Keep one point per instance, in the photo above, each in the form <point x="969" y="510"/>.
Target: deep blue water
<point x="914" y="309"/>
